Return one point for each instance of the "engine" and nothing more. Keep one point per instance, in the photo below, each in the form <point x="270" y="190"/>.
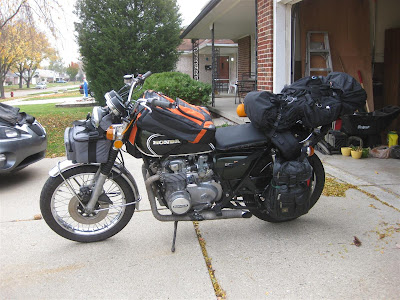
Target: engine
<point x="188" y="184"/>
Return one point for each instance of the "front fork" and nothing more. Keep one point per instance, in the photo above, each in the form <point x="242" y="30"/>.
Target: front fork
<point x="105" y="170"/>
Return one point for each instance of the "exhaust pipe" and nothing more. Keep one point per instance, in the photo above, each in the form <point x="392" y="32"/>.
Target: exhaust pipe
<point x="207" y="215"/>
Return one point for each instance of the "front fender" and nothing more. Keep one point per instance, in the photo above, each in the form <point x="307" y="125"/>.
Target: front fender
<point x="66" y="165"/>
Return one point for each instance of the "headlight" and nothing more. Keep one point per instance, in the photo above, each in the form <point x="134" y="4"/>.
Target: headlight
<point x="115" y="103"/>
<point x="7" y="132"/>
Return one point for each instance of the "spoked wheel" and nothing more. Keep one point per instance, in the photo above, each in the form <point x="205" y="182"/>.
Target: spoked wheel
<point x="318" y="182"/>
<point x="62" y="205"/>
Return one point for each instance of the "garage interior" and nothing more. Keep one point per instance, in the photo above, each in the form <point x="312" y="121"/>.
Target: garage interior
<point x="364" y="39"/>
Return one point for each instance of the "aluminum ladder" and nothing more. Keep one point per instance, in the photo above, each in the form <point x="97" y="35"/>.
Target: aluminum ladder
<point x="314" y="48"/>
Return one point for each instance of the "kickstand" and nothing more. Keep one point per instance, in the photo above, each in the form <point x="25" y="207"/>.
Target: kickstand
<point x="174" y="238"/>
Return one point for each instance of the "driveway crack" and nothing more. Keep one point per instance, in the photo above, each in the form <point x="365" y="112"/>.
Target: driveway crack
<point x="219" y="292"/>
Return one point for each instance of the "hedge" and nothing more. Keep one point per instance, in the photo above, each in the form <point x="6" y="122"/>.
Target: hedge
<point x="178" y="85"/>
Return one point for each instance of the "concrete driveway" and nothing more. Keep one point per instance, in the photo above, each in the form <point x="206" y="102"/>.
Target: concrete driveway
<point x="313" y="257"/>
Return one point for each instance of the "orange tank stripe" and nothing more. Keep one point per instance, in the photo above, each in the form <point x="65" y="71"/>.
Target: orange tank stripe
<point x="199" y="136"/>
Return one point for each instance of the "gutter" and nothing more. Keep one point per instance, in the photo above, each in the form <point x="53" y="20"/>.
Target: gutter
<point x="202" y="14"/>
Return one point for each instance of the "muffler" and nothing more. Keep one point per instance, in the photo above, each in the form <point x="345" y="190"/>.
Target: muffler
<point x="207" y="215"/>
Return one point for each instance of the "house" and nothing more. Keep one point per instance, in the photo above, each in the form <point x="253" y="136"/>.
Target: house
<point x="11" y="78"/>
<point x="200" y="66"/>
<point x="272" y="34"/>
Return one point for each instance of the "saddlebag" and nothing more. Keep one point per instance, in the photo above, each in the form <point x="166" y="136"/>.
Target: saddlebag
<point x="311" y="101"/>
<point x="86" y="144"/>
<point x="288" y="194"/>
<point x="184" y="121"/>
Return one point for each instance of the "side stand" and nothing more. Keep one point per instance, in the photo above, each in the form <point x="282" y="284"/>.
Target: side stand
<point x="174" y="238"/>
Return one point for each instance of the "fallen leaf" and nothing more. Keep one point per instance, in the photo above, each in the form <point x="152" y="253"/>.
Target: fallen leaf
<point x="373" y="206"/>
<point x="37" y="217"/>
<point x="356" y="241"/>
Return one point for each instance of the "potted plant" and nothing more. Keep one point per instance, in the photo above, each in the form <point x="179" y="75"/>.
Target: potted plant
<point x="356" y="152"/>
<point x="345" y="151"/>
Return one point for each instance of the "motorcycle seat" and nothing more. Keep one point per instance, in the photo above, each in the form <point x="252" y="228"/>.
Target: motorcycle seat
<point x="238" y="137"/>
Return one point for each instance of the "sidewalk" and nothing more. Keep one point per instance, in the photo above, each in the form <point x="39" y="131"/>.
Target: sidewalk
<point x="66" y="102"/>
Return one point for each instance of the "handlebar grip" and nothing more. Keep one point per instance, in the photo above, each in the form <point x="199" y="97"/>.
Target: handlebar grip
<point x="155" y="102"/>
<point x="145" y="75"/>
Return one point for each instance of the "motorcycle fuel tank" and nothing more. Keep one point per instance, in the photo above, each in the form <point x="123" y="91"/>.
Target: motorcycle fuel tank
<point x="157" y="145"/>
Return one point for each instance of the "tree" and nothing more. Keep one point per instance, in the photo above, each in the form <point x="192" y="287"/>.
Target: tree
<point x="36" y="48"/>
<point x="118" y="37"/>
<point x="25" y="10"/>
<point x="56" y="64"/>
<point x="72" y="71"/>
<point x="10" y="50"/>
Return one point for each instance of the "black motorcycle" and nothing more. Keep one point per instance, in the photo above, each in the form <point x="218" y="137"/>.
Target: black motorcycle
<point x="197" y="171"/>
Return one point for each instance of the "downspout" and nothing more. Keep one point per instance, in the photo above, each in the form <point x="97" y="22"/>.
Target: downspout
<point x="213" y="66"/>
<point x="256" y="46"/>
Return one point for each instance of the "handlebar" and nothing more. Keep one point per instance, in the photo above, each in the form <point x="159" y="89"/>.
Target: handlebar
<point x="153" y="102"/>
<point x="145" y="75"/>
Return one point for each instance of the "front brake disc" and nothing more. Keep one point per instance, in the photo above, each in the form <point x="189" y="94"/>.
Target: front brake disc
<point x="77" y="212"/>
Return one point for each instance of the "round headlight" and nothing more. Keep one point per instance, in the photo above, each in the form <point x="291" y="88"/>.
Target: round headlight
<point x="115" y="103"/>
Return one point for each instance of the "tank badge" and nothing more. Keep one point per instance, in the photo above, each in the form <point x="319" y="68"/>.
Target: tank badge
<point x="167" y="142"/>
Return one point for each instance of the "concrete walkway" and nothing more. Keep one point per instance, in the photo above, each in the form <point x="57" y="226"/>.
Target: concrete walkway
<point x="61" y="102"/>
<point x="313" y="257"/>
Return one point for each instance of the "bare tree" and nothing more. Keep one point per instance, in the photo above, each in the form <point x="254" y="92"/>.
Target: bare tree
<point x="27" y="9"/>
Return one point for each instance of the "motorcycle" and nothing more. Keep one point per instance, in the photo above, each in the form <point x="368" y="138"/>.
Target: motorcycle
<point x="235" y="173"/>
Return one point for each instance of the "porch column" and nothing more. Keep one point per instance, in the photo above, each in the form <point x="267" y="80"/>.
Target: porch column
<point x="196" y="60"/>
<point x="213" y="65"/>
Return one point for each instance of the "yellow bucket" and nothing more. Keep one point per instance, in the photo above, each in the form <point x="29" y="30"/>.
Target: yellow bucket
<point x="392" y="138"/>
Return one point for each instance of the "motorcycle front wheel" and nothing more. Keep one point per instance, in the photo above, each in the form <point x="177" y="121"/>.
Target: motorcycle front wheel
<point x="318" y="184"/>
<point x="61" y="205"/>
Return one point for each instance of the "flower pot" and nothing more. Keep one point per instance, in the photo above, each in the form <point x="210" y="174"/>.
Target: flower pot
<point x="345" y="151"/>
<point x="356" y="154"/>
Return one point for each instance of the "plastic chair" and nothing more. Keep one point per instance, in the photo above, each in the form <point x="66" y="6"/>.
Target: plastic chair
<point x="232" y="87"/>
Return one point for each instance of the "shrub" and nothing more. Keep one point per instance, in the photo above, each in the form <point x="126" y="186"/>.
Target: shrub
<point x="176" y="84"/>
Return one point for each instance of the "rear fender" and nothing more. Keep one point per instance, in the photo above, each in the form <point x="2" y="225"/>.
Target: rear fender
<point x="66" y="165"/>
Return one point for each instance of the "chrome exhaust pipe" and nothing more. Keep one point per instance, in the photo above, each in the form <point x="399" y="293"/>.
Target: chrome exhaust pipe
<point x="207" y="215"/>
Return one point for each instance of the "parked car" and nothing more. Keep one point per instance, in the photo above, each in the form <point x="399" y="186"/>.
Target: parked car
<point x="23" y="140"/>
<point x="82" y="91"/>
<point x="61" y="81"/>
<point x="41" y="85"/>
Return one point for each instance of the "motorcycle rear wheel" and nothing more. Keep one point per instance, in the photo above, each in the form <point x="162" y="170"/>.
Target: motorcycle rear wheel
<point x="64" y="214"/>
<point x="316" y="191"/>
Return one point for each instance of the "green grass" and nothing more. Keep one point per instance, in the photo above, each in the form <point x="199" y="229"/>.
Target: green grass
<point x="55" y="120"/>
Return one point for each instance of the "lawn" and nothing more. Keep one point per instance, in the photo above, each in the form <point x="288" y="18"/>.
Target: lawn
<point x="55" y="120"/>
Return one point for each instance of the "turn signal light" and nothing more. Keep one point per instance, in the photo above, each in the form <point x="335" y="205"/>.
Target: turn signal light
<point x="118" y="144"/>
<point x="110" y="133"/>
<point x="310" y="151"/>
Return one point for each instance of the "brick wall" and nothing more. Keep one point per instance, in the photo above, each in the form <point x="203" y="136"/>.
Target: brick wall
<point x="244" y="56"/>
<point x="265" y="45"/>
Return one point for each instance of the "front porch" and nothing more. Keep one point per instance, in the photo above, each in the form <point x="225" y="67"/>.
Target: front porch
<point x="224" y="106"/>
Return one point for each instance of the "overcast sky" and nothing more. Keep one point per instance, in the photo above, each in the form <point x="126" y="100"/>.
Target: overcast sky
<point x="67" y="46"/>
